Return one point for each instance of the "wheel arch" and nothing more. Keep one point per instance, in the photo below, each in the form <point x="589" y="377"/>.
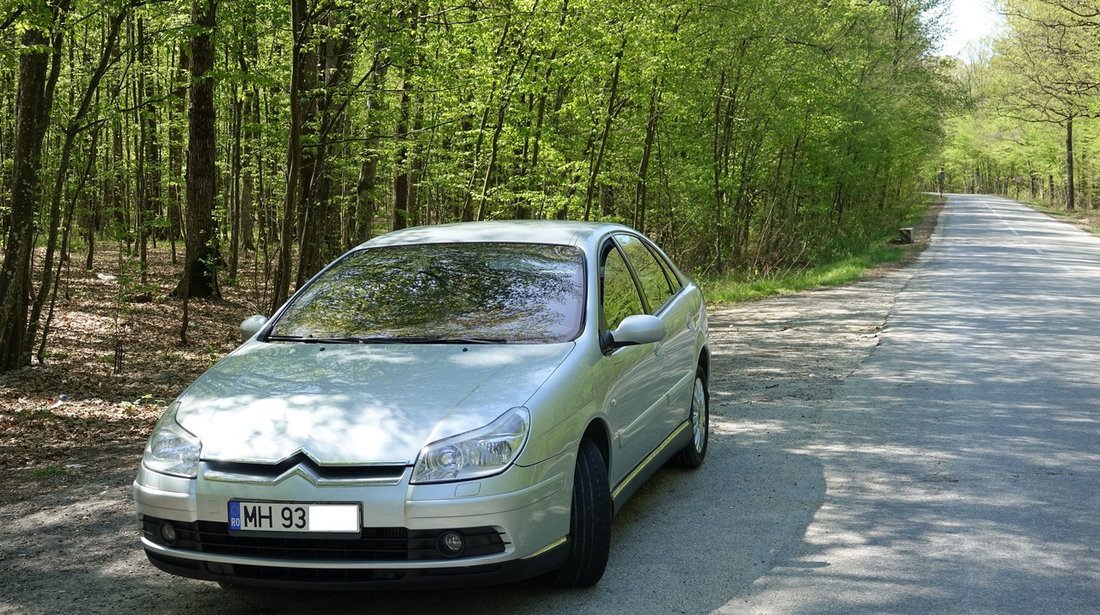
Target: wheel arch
<point x="600" y="434"/>
<point x="704" y="360"/>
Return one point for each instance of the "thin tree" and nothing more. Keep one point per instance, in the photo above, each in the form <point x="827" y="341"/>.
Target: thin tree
<point x="201" y="259"/>
<point x="301" y="32"/>
<point x="34" y="100"/>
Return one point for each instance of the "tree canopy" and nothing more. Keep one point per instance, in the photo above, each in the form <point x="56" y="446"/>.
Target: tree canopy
<point x="744" y="135"/>
<point x="1033" y="96"/>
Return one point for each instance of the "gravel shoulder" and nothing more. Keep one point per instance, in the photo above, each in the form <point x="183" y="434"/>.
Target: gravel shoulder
<point x="70" y="542"/>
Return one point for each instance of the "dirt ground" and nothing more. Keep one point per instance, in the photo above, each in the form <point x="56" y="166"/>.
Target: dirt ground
<point x="72" y="430"/>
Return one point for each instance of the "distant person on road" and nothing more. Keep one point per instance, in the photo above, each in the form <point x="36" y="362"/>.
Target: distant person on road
<point x="941" y="178"/>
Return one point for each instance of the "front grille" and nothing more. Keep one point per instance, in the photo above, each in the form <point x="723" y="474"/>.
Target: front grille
<point x="232" y="470"/>
<point x="388" y="544"/>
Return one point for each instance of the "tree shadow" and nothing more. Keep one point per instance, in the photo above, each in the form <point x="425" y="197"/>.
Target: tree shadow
<point x="960" y="457"/>
<point x="687" y="541"/>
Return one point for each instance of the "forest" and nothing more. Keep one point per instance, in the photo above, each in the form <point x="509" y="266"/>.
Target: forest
<point x="745" y="136"/>
<point x="1027" y="127"/>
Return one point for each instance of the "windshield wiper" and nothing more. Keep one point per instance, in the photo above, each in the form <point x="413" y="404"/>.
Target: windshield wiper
<point x="314" y="340"/>
<point x="430" y="340"/>
<point x="464" y="340"/>
<point x="383" y="340"/>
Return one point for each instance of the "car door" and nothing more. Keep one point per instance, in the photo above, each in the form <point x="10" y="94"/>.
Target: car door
<point x="636" y="403"/>
<point x="675" y="354"/>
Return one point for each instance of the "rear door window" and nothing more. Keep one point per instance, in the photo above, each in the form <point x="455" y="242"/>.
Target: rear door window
<point x="619" y="297"/>
<point x="651" y="274"/>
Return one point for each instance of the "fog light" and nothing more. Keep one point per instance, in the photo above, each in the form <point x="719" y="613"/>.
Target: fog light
<point x="451" y="544"/>
<point x="168" y="533"/>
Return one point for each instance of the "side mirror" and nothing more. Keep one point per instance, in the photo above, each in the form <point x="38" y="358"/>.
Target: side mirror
<point x="638" y="329"/>
<point x="251" y="326"/>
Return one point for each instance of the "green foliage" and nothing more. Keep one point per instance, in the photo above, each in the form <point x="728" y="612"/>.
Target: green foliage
<point x="1022" y="98"/>
<point x="844" y="267"/>
<point x="46" y="472"/>
<point x="752" y="136"/>
<point x="736" y="289"/>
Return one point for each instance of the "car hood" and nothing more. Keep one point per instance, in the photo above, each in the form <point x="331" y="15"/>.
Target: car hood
<point x="352" y="404"/>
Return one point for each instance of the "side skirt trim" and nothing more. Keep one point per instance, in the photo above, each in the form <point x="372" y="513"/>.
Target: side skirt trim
<point x="649" y="466"/>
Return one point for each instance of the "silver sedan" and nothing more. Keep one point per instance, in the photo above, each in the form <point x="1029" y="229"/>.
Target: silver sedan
<point x="442" y="405"/>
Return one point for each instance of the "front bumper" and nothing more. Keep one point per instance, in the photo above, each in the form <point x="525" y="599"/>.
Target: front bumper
<point x="362" y="578"/>
<point x="523" y="513"/>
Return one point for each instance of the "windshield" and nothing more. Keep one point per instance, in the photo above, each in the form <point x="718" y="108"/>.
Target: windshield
<point x="461" y="292"/>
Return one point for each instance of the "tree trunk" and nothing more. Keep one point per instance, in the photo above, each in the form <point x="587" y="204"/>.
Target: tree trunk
<point x="1069" y="164"/>
<point x="401" y="164"/>
<point x="7" y="137"/>
<point x="250" y="149"/>
<point x="71" y="131"/>
<point x="498" y="129"/>
<point x="150" y="156"/>
<point x="716" y="167"/>
<point x="250" y="167"/>
<point x="309" y="217"/>
<point x="467" y="211"/>
<point x="141" y="209"/>
<point x="365" y="197"/>
<point x="89" y="165"/>
<point x="613" y="107"/>
<point x="416" y="165"/>
<point x="236" y="125"/>
<point x="540" y="118"/>
<point x="641" y="188"/>
<point x="1083" y="184"/>
<point x="201" y="259"/>
<point x="366" y="189"/>
<point x="401" y="171"/>
<point x="34" y="100"/>
<point x="176" y="149"/>
<point x="300" y="32"/>
<point x="319" y="236"/>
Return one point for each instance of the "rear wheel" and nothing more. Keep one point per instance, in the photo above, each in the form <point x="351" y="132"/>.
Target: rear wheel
<point x="691" y="456"/>
<point x="589" y="521"/>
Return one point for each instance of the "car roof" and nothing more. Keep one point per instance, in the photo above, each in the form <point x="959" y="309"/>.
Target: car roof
<point x="558" y="232"/>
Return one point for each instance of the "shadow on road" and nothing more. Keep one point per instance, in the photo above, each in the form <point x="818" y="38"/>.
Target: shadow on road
<point x="688" y="542"/>
<point x="961" y="458"/>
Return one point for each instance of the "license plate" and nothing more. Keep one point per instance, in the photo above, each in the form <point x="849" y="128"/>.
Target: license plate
<point x="293" y="517"/>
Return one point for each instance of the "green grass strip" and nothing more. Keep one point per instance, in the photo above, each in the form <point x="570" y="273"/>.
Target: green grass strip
<point x="736" y="289"/>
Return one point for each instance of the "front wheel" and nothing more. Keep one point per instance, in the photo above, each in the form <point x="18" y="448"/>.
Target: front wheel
<point x="589" y="521"/>
<point x="691" y="456"/>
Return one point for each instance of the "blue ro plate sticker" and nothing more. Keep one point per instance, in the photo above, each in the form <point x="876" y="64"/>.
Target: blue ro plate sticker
<point x="234" y="515"/>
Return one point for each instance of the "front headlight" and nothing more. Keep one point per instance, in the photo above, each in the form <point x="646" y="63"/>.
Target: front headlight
<point x="475" y="454"/>
<point x="172" y="449"/>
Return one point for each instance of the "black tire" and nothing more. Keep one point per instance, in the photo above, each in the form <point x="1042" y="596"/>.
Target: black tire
<point x="589" y="521"/>
<point x="692" y="455"/>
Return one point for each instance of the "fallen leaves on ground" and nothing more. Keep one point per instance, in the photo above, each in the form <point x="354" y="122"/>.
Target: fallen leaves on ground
<point x="112" y="362"/>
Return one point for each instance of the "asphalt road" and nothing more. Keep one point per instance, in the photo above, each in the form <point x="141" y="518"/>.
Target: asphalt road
<point x="962" y="461"/>
<point x="927" y="441"/>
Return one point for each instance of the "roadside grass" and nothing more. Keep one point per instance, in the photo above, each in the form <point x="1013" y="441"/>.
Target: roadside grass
<point x="732" y="289"/>
<point x="45" y="472"/>
<point x="738" y="288"/>
<point x="1085" y="219"/>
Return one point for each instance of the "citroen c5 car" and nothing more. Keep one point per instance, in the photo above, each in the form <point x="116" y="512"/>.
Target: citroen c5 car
<point x="442" y="405"/>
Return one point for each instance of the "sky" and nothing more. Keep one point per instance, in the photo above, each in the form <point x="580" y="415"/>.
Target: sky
<point x="968" y="20"/>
